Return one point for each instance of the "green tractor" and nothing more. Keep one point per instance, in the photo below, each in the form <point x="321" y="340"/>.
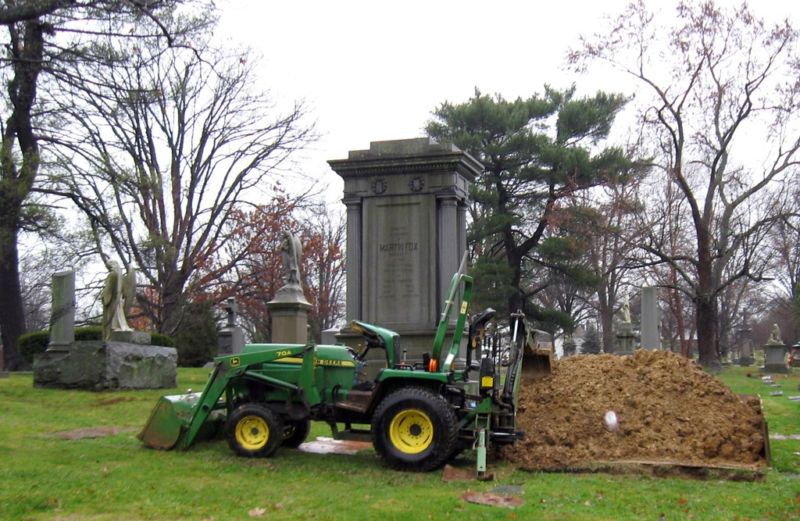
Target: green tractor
<point x="417" y="415"/>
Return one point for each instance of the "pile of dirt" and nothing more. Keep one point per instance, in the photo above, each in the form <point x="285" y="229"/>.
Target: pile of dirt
<point x="667" y="409"/>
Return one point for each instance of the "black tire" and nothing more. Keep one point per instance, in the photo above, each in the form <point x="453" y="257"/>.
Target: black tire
<point x="414" y="429"/>
<point x="254" y="431"/>
<point x="295" y="432"/>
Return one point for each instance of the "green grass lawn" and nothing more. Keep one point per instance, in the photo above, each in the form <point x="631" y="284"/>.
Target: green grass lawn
<point x="43" y="476"/>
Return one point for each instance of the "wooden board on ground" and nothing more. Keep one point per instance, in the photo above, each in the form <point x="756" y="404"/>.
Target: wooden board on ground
<point x="729" y="472"/>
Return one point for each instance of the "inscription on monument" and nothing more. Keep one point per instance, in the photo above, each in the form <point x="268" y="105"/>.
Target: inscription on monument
<point x="400" y="264"/>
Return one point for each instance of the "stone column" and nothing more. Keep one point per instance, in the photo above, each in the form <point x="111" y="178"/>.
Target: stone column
<point x="462" y="229"/>
<point x="62" y="314"/>
<point x="353" y="265"/>
<point x="651" y="337"/>
<point x="448" y="244"/>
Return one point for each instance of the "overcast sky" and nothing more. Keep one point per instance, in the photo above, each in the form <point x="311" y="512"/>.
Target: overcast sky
<point x="373" y="70"/>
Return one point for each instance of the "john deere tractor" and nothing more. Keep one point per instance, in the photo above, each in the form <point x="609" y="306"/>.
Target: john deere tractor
<point x="418" y="415"/>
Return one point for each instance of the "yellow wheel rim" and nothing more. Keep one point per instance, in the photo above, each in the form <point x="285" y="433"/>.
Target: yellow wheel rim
<point x="411" y="431"/>
<point x="252" y="432"/>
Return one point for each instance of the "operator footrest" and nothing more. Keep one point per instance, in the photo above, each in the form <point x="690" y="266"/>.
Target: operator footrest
<point x="357" y="401"/>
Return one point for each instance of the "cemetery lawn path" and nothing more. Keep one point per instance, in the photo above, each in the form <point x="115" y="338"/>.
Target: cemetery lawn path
<point x="73" y="455"/>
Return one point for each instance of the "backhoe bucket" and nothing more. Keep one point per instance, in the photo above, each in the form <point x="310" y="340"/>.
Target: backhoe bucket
<point x="171" y="418"/>
<point x="536" y="363"/>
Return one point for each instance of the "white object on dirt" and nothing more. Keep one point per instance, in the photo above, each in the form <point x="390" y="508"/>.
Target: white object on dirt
<point x="610" y="419"/>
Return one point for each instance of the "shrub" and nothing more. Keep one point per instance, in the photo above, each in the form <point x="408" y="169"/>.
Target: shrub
<point x="31" y="344"/>
<point x="158" y="339"/>
<point x="196" y="339"/>
<point x="591" y="341"/>
<point x="89" y="333"/>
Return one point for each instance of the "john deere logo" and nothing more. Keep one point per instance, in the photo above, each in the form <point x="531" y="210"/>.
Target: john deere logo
<point x="235" y="362"/>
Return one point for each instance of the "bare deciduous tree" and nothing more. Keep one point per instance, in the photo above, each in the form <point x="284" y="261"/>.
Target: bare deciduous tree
<point x="44" y="40"/>
<point x="730" y="76"/>
<point x="160" y="153"/>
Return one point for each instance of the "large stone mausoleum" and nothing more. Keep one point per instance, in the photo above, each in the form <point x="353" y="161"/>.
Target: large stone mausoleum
<point x="406" y="233"/>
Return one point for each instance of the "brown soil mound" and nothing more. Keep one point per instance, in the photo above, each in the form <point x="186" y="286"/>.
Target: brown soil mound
<point x="668" y="409"/>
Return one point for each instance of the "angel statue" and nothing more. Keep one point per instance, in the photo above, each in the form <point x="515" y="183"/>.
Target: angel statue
<point x="775" y="336"/>
<point x="291" y="255"/>
<point x="626" y="310"/>
<point x="118" y="295"/>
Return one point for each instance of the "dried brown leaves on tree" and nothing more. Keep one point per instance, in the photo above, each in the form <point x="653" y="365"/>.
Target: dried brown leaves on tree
<point x="254" y="281"/>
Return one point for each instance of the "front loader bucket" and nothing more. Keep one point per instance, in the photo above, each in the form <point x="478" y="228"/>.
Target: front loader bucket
<point x="168" y="421"/>
<point x="536" y="363"/>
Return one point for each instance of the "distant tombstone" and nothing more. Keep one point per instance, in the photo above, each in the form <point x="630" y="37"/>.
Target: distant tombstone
<point x="746" y="353"/>
<point x="329" y="336"/>
<point x="231" y="337"/>
<point x="775" y="352"/>
<point x="62" y="315"/>
<point x="745" y="345"/>
<point x="651" y="336"/>
<point x="124" y="359"/>
<point x="794" y="360"/>
<point x="406" y="233"/>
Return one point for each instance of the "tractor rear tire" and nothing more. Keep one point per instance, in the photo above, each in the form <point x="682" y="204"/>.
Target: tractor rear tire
<point x="254" y="431"/>
<point x="295" y="432"/>
<point x="414" y="429"/>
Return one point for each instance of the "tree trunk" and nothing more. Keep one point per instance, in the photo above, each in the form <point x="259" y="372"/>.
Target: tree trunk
<point x="707" y="333"/>
<point x="607" y="322"/>
<point x="706" y="302"/>
<point x="12" y="313"/>
<point x="172" y="300"/>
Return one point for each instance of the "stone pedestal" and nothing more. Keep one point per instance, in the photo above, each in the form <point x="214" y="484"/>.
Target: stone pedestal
<point x="289" y="313"/>
<point x="775" y="358"/>
<point x="99" y="366"/>
<point x="625" y="338"/>
<point x="406" y="233"/>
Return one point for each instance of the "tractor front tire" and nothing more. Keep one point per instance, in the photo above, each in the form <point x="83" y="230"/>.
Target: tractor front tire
<point x="254" y="431"/>
<point x="414" y="429"/>
<point x="295" y="432"/>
